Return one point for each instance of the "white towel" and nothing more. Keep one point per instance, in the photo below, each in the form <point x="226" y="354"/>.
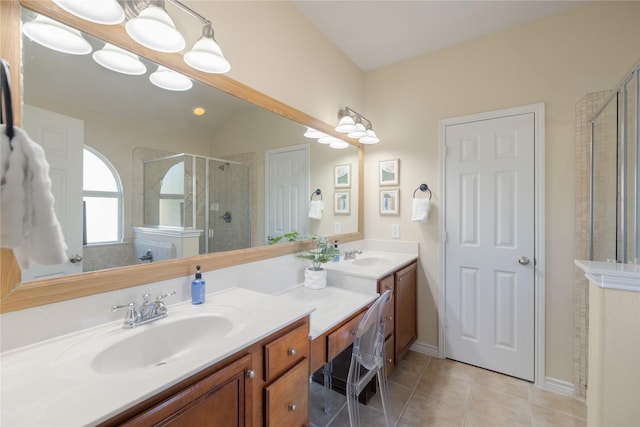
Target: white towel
<point x="28" y="221"/>
<point x="421" y="209"/>
<point x="315" y="209"/>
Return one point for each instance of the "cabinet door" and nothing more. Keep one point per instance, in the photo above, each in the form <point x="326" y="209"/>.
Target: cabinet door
<point x="406" y="331"/>
<point x="221" y="399"/>
<point x="287" y="398"/>
<point x="383" y="285"/>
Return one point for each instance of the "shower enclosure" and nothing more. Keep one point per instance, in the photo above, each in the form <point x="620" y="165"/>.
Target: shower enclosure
<point x="615" y="179"/>
<point x="202" y="193"/>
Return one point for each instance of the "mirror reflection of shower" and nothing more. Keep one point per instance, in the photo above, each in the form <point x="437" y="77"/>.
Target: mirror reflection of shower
<point x="200" y="193"/>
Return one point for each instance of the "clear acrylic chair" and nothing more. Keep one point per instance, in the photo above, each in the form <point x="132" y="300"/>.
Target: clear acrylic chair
<point x="368" y="360"/>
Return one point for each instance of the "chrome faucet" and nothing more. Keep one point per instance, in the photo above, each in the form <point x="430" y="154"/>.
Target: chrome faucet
<point x="351" y="254"/>
<point x="149" y="311"/>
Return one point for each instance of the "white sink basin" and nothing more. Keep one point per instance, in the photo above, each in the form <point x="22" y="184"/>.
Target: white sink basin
<point x="368" y="261"/>
<point x="145" y="348"/>
<point x="161" y="344"/>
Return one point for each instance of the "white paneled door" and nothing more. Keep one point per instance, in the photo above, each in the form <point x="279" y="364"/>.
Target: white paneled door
<point x="62" y="139"/>
<point x="489" y="249"/>
<point x="286" y="187"/>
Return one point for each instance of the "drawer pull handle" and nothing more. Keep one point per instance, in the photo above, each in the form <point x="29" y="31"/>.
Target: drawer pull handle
<point x="292" y="352"/>
<point x="292" y="407"/>
<point x="389" y="360"/>
<point x="251" y="373"/>
<point x="389" y="317"/>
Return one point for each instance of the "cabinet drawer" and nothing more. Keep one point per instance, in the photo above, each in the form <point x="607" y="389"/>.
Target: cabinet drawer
<point x="386" y="283"/>
<point x="342" y="338"/>
<point x="389" y="346"/>
<point x="284" y="352"/>
<point x="287" y="398"/>
<point x="388" y="317"/>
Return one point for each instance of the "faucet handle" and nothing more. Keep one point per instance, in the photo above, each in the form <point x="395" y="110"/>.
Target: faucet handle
<point x="131" y="317"/>
<point x="161" y="297"/>
<point x="159" y="305"/>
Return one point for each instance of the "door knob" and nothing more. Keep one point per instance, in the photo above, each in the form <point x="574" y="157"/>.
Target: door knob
<point x="75" y="258"/>
<point x="523" y="260"/>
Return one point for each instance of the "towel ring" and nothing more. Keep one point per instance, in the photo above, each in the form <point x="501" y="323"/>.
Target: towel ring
<point x="6" y="97"/>
<point x="316" y="193"/>
<point x="423" y="188"/>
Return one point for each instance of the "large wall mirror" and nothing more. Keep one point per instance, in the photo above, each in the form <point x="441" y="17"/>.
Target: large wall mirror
<point x="161" y="185"/>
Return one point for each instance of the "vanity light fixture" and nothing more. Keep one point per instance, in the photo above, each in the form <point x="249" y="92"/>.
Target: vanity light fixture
<point x="328" y="139"/>
<point x="107" y="12"/>
<point x="371" y="137"/>
<point x="206" y="55"/>
<point x="153" y="28"/>
<point x="360" y="131"/>
<point x="170" y="80"/>
<point x="339" y="144"/>
<point x="119" y="60"/>
<point x="150" y="25"/>
<point x="314" y="134"/>
<point x="56" y="35"/>
<point x="356" y="126"/>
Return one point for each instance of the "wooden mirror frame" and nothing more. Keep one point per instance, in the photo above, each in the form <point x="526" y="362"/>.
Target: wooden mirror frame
<point x="15" y="295"/>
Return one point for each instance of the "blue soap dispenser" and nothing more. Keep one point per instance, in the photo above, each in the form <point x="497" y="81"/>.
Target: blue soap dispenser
<point x="197" y="288"/>
<point x="336" y="257"/>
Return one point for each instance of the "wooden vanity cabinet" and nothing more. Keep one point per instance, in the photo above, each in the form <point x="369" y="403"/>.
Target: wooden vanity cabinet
<point x="266" y="383"/>
<point x="220" y="399"/>
<point x="401" y="320"/>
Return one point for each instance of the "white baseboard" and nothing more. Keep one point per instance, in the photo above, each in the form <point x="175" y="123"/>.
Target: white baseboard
<point x="558" y="386"/>
<point x="424" y="348"/>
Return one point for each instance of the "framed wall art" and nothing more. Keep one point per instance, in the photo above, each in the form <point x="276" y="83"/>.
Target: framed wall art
<point x="389" y="202"/>
<point x="342" y="176"/>
<point x="389" y="172"/>
<point x="342" y="203"/>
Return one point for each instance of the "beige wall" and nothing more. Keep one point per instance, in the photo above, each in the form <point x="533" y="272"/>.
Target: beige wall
<point x="274" y="49"/>
<point x="557" y="61"/>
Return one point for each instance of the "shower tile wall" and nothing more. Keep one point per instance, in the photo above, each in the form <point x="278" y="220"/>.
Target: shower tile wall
<point x="585" y="109"/>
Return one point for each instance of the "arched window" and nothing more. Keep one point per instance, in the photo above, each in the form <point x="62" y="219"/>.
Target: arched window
<point x="102" y="196"/>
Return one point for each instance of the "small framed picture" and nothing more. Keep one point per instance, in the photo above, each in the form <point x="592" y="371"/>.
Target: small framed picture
<point x="342" y="176"/>
<point x="342" y="203"/>
<point x="389" y="202"/>
<point x="390" y="172"/>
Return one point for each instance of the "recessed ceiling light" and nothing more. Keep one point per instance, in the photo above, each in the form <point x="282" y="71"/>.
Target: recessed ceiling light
<point x="199" y="111"/>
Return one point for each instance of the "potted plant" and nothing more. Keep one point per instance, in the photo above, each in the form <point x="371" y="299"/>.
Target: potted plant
<point x="315" y="277"/>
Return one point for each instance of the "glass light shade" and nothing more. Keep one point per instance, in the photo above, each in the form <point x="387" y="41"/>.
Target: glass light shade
<point x="153" y="28"/>
<point x="315" y="134"/>
<point x="359" y="132"/>
<point x="57" y="36"/>
<point x="107" y="12"/>
<point x="119" y="60"/>
<point x="346" y="125"/>
<point x="170" y="80"/>
<point x="207" y="56"/>
<point x="371" y="138"/>
<point x="339" y="144"/>
<point x="328" y="139"/>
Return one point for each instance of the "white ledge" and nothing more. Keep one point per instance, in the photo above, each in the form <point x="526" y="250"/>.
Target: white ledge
<point x="610" y="275"/>
<point x="169" y="231"/>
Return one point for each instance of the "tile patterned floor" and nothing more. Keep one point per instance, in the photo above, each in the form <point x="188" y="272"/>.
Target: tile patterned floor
<point x="426" y="391"/>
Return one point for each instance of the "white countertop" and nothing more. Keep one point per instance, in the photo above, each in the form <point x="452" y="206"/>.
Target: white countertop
<point x="50" y="383"/>
<point x="611" y="275"/>
<point x="387" y="262"/>
<point x="332" y="305"/>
